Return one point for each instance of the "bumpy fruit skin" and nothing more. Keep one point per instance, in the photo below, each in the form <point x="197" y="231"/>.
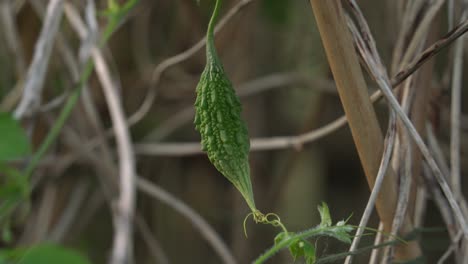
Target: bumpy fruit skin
<point x="224" y="134"/>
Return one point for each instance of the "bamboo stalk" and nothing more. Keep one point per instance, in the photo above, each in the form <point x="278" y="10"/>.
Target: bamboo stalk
<point x="361" y="116"/>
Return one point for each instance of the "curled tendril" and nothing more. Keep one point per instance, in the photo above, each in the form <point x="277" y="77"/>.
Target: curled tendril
<point x="269" y="219"/>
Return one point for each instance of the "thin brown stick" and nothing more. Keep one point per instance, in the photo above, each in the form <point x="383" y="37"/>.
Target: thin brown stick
<point x="377" y="240"/>
<point x="384" y="163"/>
<point x="455" y="113"/>
<point x="420" y="33"/>
<point x="384" y="84"/>
<point x="424" y="150"/>
<point x="430" y="52"/>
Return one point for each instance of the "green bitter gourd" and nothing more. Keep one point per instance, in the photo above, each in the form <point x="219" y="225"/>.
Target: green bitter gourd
<point x="224" y="134"/>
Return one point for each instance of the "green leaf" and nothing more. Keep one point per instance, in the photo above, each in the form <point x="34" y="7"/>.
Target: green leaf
<point x="3" y="258"/>
<point x="309" y="253"/>
<point x="324" y="215"/>
<point x="14" y="182"/>
<point x="52" y="254"/>
<point x="11" y="255"/>
<point x="296" y="249"/>
<point x="342" y="233"/>
<point x="303" y="248"/>
<point x="14" y="143"/>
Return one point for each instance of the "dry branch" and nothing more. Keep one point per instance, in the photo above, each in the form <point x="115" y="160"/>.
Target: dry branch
<point x="174" y="60"/>
<point x="359" y="111"/>
<point x="35" y="76"/>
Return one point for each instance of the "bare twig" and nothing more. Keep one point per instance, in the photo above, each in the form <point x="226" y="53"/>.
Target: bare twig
<point x="33" y="84"/>
<point x="403" y="161"/>
<point x="154" y="247"/>
<point x="166" y="64"/>
<point x="64" y="49"/>
<point x="126" y="203"/>
<point x="450" y="13"/>
<point x="427" y="155"/>
<point x="420" y="206"/>
<point x="420" y="33"/>
<point x="385" y="86"/>
<point x="124" y="211"/>
<point x="452" y="248"/>
<point x="455" y="110"/>
<point x="11" y="36"/>
<point x="249" y="88"/>
<point x="428" y="53"/>
<point x="257" y="144"/>
<point x="359" y="110"/>
<point x="69" y="214"/>
<point x="378" y="239"/>
<point x="205" y="229"/>
<point x="45" y="213"/>
<point x="436" y="149"/>
<point x="387" y="154"/>
<point x="193" y="148"/>
<point x="439" y="199"/>
<point x="157" y="192"/>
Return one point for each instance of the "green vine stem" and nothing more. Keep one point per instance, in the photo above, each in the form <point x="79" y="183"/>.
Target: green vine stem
<point x="332" y="231"/>
<point x="338" y="231"/>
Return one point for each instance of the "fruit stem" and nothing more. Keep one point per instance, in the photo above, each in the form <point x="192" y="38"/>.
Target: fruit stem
<point x="211" y="55"/>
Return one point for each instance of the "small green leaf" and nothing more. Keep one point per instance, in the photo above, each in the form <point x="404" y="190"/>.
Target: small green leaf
<point x="342" y="233"/>
<point x="52" y="254"/>
<point x="303" y="248"/>
<point x="309" y="253"/>
<point x="14" y="143"/>
<point x="296" y="249"/>
<point x="324" y="215"/>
